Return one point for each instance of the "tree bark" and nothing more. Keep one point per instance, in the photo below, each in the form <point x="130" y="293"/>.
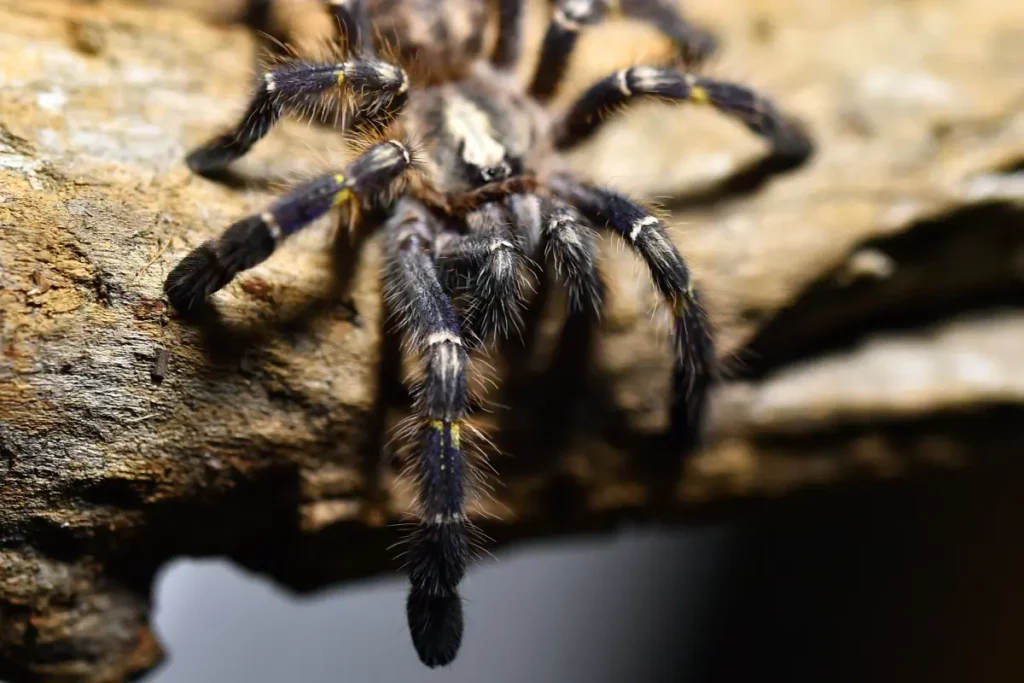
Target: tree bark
<point x="867" y="307"/>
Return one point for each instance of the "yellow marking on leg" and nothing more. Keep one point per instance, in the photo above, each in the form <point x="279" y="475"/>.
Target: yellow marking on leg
<point x="456" y="430"/>
<point x="344" y="194"/>
<point x="699" y="95"/>
<point x="341" y="76"/>
<point x="438" y="426"/>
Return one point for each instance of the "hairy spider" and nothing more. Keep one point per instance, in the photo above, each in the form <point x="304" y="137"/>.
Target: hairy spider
<point x="483" y="190"/>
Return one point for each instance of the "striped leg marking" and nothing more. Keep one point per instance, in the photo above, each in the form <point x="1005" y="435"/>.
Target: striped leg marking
<point x="695" y="367"/>
<point x="752" y="109"/>
<point x="439" y="546"/>
<point x="375" y="88"/>
<point x="253" y="239"/>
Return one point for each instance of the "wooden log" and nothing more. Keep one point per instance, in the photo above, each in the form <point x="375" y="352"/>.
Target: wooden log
<point x="854" y="300"/>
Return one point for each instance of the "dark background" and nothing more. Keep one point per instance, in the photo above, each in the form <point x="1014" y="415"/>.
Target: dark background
<point x="908" y="581"/>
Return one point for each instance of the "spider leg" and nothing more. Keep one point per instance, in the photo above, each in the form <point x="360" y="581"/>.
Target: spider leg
<point x="510" y="29"/>
<point x="570" y="17"/>
<point x="567" y="20"/>
<point x="353" y="22"/>
<point x="439" y="547"/>
<point x="488" y="263"/>
<point x="379" y="90"/>
<point x="755" y="111"/>
<point x="694" y="43"/>
<point x="695" y="367"/>
<point x="571" y="245"/>
<point x="259" y="16"/>
<point x="253" y="239"/>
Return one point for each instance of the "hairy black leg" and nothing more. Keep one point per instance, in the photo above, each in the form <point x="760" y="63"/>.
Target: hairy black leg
<point x="261" y="114"/>
<point x="353" y="21"/>
<point x="377" y="90"/>
<point x="694" y="44"/>
<point x="253" y="239"/>
<point x="695" y="367"/>
<point x="568" y="242"/>
<point x="570" y="17"/>
<point x="439" y="546"/>
<point x="488" y="265"/>
<point x="510" y="30"/>
<point x="259" y="16"/>
<point x="567" y="20"/>
<point x="571" y="245"/>
<point x="755" y="111"/>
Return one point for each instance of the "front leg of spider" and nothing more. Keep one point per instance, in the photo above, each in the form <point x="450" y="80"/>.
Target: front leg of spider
<point x="694" y="367"/>
<point x="376" y="89"/>
<point x="439" y="547"/>
<point x="253" y="239"/>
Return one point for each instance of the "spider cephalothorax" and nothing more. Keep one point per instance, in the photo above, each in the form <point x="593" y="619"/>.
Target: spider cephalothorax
<point x="482" y="191"/>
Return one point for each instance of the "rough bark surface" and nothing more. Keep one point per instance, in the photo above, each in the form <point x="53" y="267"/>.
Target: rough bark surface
<point x="868" y="306"/>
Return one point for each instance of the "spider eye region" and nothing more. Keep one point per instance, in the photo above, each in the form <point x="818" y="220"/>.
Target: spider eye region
<point x="482" y="148"/>
<point x="490" y="174"/>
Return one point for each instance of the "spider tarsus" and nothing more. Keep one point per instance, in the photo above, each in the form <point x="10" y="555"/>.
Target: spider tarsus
<point x="196" y="277"/>
<point x="436" y="625"/>
<point x="793" y="145"/>
<point x="438" y="548"/>
<point x="694" y="364"/>
<point x="212" y="159"/>
<point x="215" y="263"/>
<point x="694" y="373"/>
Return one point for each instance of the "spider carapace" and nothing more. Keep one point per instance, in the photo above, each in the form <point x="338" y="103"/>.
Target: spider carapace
<point x="465" y="178"/>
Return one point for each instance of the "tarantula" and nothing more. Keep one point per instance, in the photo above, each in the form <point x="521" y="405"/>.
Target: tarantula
<point x="482" y="191"/>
